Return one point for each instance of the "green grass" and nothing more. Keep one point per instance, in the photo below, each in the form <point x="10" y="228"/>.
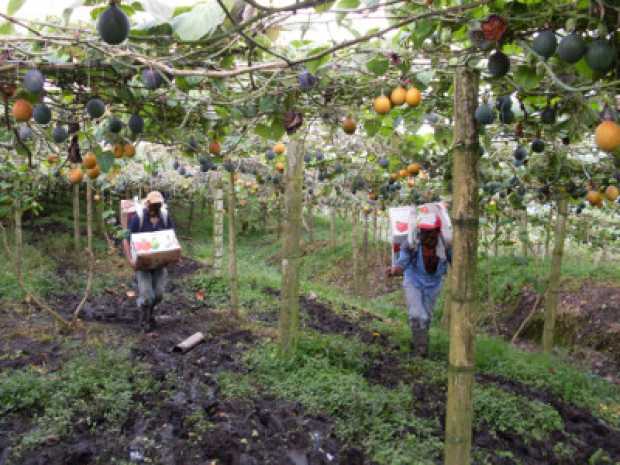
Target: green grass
<point x="325" y="377"/>
<point x="96" y="389"/>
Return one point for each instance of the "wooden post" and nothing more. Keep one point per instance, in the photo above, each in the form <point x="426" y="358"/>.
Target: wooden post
<point x="310" y="222"/>
<point x="89" y="215"/>
<point x="524" y="235"/>
<point x="232" y="247"/>
<point x="76" y="217"/>
<point x="355" y="247"/>
<point x="551" y="302"/>
<point x="548" y="235"/>
<point x="465" y="217"/>
<point x="19" y="241"/>
<point x="332" y="226"/>
<point x="218" y="226"/>
<point x="291" y="250"/>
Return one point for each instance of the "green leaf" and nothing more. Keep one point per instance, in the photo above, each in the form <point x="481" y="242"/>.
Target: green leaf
<point x="378" y="65"/>
<point x="6" y="28"/>
<point x="527" y="78"/>
<point x="348" y="4"/>
<point x="105" y="160"/>
<point x="14" y="6"/>
<point x="372" y="126"/>
<point x="263" y="131"/>
<point x="203" y="19"/>
<point x="314" y="65"/>
<point x="277" y="128"/>
<point x="584" y="70"/>
<point x="323" y="7"/>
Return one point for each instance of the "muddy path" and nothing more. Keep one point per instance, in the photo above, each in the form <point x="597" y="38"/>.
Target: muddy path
<point x="585" y="433"/>
<point x="188" y="421"/>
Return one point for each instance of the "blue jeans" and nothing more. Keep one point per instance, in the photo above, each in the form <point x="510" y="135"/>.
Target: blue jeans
<point x="151" y="286"/>
<point x="420" y="303"/>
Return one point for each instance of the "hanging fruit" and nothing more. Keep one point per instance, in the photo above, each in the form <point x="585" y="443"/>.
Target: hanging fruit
<point x="75" y="176"/>
<point x="398" y="95"/>
<point x="89" y="160"/>
<point x="382" y="105"/>
<point x="279" y="148"/>
<point x="349" y="125"/>
<point x="607" y="136"/>
<point x="413" y="97"/>
<point x="22" y="110"/>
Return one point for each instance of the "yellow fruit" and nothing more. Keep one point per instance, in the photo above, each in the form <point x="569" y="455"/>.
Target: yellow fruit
<point x="595" y="198"/>
<point x="398" y="96"/>
<point x="607" y="136"/>
<point x="279" y="148"/>
<point x="89" y="161"/>
<point x="129" y="150"/>
<point x="52" y="158"/>
<point x="413" y="169"/>
<point x="96" y="197"/>
<point x="22" y="110"/>
<point x="413" y="97"/>
<point x="349" y="125"/>
<point x="118" y="151"/>
<point x="93" y="173"/>
<point x="402" y="173"/>
<point x="75" y="176"/>
<point x="394" y="176"/>
<point x="280" y="166"/>
<point x="612" y="193"/>
<point x="382" y="105"/>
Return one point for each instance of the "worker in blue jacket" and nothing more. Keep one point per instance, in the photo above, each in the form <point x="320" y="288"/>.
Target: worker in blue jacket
<point x="423" y="267"/>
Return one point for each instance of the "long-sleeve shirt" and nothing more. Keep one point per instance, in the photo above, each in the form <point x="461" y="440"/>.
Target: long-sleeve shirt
<point x="412" y="262"/>
<point x="147" y="226"/>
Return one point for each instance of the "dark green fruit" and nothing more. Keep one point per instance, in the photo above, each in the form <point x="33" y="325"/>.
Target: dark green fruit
<point x="383" y="162"/>
<point x="600" y="56"/>
<point x="485" y="114"/>
<point x="42" y="113"/>
<point x="33" y="81"/>
<point x="113" y="25"/>
<point x="338" y="168"/>
<point x="498" y="65"/>
<point x="95" y="108"/>
<point x="545" y="43"/>
<point x="538" y="146"/>
<point x="136" y="124"/>
<point x="520" y="153"/>
<point x="548" y="115"/>
<point x="270" y="155"/>
<point x="307" y="158"/>
<point x="506" y="116"/>
<point x="59" y="134"/>
<point x="115" y="125"/>
<point x="151" y="79"/>
<point x="571" y="48"/>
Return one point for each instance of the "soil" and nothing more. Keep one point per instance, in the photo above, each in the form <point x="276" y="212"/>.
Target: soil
<point x="588" y="322"/>
<point x="586" y="433"/>
<point x="253" y="431"/>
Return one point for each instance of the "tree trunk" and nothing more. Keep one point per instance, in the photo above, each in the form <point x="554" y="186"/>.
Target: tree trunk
<point x="332" y="226"/>
<point x="374" y="225"/>
<point x="548" y="235"/>
<point x="310" y="221"/>
<point x="447" y="301"/>
<point x="465" y="215"/>
<point x="232" y="247"/>
<point x="496" y="236"/>
<point x="19" y="241"/>
<point x="291" y="250"/>
<point x="190" y="219"/>
<point x="365" y="239"/>
<point x="76" y="217"/>
<point x="553" y="288"/>
<point x="524" y="235"/>
<point x="218" y="227"/>
<point x="89" y="215"/>
<point x="355" y="248"/>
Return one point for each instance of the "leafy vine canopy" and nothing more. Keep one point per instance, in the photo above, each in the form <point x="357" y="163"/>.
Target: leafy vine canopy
<point x="223" y="77"/>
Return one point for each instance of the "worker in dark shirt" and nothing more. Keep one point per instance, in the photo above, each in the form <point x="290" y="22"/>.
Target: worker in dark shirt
<point x="151" y="283"/>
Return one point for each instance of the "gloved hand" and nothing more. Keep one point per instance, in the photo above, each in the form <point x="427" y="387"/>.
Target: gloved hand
<point x="394" y="271"/>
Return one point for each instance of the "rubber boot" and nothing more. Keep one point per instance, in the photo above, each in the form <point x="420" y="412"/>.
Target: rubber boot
<point x="419" y="339"/>
<point x="152" y="323"/>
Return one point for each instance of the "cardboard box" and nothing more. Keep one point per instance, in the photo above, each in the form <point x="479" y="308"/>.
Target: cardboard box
<point x="399" y="227"/>
<point x="128" y="211"/>
<point x="154" y="249"/>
